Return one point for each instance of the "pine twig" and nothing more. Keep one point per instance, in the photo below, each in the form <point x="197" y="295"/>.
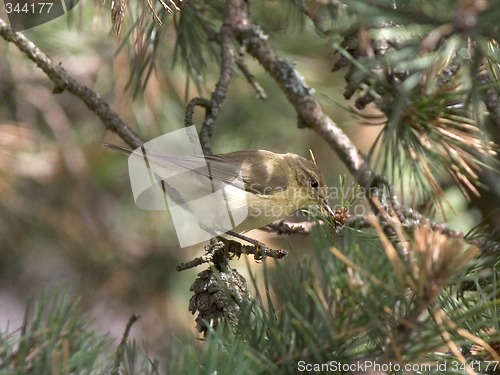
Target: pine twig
<point x="314" y="17"/>
<point x="213" y="36"/>
<point x="207" y="258"/>
<point x="202" y="102"/>
<point x="219" y="94"/>
<point x="220" y="250"/>
<point x="281" y="227"/>
<point x="120" y="351"/>
<point x="243" y="67"/>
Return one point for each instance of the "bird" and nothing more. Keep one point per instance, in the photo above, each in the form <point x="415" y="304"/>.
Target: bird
<point x="237" y="191"/>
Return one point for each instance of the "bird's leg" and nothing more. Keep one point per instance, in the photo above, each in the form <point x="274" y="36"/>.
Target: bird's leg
<point x="219" y="249"/>
<point x="261" y="250"/>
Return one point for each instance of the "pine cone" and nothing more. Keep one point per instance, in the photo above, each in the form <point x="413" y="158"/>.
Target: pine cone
<point x="217" y="295"/>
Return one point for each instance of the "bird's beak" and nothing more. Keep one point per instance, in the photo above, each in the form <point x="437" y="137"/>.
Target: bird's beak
<point x="327" y="207"/>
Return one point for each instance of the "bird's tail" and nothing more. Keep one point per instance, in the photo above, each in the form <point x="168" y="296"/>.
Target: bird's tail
<point x="118" y="148"/>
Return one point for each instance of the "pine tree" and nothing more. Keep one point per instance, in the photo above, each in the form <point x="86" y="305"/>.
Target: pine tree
<point x="394" y="290"/>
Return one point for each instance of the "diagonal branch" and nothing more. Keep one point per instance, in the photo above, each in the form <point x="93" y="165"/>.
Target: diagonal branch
<point x="298" y="93"/>
<point x="64" y="81"/>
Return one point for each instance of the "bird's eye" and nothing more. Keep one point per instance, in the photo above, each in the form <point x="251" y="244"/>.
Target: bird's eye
<point x="314" y="183"/>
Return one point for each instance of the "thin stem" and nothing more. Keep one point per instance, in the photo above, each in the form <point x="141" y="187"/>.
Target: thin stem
<point x="219" y="94"/>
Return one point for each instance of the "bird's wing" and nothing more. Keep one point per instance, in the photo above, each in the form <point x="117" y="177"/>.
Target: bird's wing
<point x="258" y="175"/>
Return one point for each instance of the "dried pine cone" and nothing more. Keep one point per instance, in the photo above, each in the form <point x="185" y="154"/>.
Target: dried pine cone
<point x="217" y="295"/>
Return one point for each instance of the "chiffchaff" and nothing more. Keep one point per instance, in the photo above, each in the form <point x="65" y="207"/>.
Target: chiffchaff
<point x="268" y="185"/>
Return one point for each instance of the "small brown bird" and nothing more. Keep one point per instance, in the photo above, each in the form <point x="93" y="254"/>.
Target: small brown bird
<point x="258" y="186"/>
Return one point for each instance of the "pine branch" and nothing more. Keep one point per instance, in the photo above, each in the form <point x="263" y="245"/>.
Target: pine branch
<point x="120" y="351"/>
<point x="219" y="94"/>
<point x="55" y="338"/>
<point x="431" y="124"/>
<point x="290" y="81"/>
